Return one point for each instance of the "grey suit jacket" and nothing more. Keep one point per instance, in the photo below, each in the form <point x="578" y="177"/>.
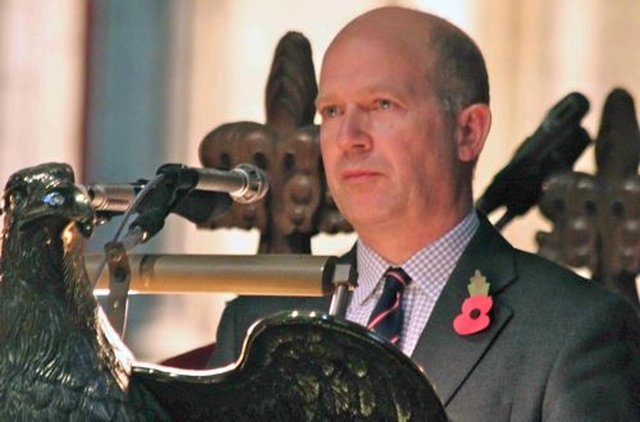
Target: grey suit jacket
<point x="558" y="348"/>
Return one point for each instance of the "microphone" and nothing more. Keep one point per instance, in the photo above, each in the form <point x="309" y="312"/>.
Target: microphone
<point x="244" y="183"/>
<point x="194" y="193"/>
<point x="553" y="147"/>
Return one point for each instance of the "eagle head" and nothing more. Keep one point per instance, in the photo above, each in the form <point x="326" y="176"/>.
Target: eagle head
<point x="47" y="193"/>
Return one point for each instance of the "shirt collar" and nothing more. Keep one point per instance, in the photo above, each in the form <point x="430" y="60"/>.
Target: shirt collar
<point x="429" y="268"/>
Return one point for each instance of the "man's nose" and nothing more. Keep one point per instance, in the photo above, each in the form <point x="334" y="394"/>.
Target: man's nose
<point x="354" y="128"/>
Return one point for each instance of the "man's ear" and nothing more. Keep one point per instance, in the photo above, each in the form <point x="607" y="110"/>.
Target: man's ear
<point x="472" y="127"/>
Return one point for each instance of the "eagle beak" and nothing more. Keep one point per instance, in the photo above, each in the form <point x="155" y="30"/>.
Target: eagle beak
<point x="80" y="209"/>
<point x="69" y="201"/>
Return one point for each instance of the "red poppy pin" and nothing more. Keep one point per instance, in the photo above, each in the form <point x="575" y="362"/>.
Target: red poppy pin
<point x="475" y="309"/>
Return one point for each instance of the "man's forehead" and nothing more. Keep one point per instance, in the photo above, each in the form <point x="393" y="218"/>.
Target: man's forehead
<point x="366" y="47"/>
<point x="374" y="65"/>
<point x="377" y="42"/>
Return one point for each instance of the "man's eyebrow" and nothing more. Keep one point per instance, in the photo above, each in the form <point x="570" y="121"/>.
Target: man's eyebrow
<point x="320" y="99"/>
<point x="398" y="93"/>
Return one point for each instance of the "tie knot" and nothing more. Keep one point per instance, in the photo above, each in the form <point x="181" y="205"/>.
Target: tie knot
<point x="395" y="278"/>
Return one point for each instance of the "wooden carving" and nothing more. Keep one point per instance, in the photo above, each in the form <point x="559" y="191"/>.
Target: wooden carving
<point x="597" y="217"/>
<point x="298" y="205"/>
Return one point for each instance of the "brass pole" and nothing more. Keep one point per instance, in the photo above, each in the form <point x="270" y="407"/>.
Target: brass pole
<point x="267" y="274"/>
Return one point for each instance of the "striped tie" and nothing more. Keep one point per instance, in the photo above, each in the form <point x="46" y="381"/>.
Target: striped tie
<point x="386" y="318"/>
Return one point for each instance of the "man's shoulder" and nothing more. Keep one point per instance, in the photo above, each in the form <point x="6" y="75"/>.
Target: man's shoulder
<point x="530" y="264"/>
<point x="534" y="280"/>
<point x="557" y="286"/>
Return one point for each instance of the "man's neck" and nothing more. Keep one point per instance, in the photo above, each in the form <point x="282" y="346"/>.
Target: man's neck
<point x="398" y="242"/>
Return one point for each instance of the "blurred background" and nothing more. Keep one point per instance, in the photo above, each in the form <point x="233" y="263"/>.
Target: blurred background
<point x="117" y="88"/>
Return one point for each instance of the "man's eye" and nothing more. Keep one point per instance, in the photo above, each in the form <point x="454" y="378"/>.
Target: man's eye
<point x="384" y="104"/>
<point x="330" y="111"/>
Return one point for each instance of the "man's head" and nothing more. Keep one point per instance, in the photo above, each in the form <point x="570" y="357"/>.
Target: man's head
<point x="404" y="101"/>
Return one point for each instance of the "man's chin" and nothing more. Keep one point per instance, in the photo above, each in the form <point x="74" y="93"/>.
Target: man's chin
<point x="366" y="215"/>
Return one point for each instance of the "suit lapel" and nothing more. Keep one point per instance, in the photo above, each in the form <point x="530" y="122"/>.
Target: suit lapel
<point x="448" y="358"/>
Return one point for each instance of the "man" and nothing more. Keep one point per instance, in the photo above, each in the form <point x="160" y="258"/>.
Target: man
<point x="404" y="102"/>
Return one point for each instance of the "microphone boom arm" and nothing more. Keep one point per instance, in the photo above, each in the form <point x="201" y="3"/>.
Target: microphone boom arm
<point x="268" y="274"/>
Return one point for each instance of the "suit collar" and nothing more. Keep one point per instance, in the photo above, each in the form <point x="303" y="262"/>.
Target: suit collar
<point x="493" y="256"/>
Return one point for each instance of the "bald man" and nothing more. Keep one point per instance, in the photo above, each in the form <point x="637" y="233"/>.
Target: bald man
<point x="404" y="100"/>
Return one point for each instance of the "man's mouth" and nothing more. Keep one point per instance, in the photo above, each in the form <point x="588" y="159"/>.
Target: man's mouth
<point x="358" y="175"/>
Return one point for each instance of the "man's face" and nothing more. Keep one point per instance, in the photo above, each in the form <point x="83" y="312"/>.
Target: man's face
<point x="387" y="146"/>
